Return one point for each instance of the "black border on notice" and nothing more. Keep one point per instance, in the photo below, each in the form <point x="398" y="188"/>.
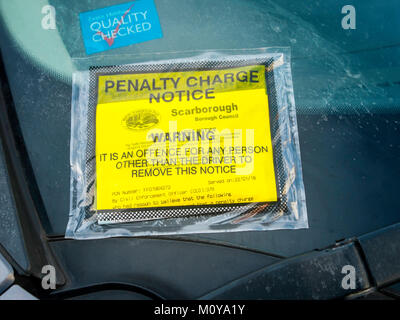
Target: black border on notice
<point x="280" y="177"/>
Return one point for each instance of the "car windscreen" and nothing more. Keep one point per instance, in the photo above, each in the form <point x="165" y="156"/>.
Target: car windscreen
<point x="346" y="87"/>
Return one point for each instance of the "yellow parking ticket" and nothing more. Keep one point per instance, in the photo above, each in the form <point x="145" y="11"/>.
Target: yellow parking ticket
<point x="183" y="138"/>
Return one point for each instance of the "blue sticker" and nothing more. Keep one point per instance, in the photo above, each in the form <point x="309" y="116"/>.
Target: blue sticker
<point x="120" y="25"/>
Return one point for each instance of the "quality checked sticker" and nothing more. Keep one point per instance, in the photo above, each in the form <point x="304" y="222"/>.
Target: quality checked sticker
<point x="183" y="138"/>
<point x="120" y="25"/>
